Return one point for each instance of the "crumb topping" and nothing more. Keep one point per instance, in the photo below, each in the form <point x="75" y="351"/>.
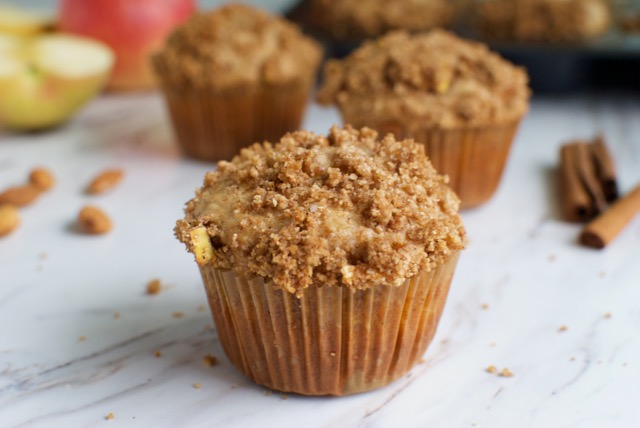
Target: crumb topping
<point x="544" y="20"/>
<point x="352" y="19"/>
<point x="436" y="78"/>
<point x="234" y="47"/>
<point x="347" y="209"/>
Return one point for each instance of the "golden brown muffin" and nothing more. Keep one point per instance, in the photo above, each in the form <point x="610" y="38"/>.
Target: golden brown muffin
<point x="357" y="19"/>
<point x="235" y="76"/>
<point x="326" y="260"/>
<point x="455" y="96"/>
<point x="544" y="20"/>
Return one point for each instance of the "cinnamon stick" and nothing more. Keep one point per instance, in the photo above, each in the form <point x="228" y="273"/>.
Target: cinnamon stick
<point x="589" y="177"/>
<point x="577" y="205"/>
<point x="601" y="231"/>
<point x="605" y="168"/>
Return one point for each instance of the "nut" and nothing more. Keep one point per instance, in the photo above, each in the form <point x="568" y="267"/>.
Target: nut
<point x="9" y="219"/>
<point x="20" y="196"/>
<point x="41" y="178"/>
<point x="106" y="180"/>
<point x="202" y="247"/>
<point x="92" y="220"/>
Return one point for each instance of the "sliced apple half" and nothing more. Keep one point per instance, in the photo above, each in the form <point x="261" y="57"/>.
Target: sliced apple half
<point x="22" y="22"/>
<point x="46" y="79"/>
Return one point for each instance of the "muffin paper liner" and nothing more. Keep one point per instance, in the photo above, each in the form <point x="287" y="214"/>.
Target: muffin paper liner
<point x="331" y="340"/>
<point x="473" y="158"/>
<point x="213" y="126"/>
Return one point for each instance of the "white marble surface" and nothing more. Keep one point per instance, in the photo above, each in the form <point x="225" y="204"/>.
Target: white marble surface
<point x="57" y="285"/>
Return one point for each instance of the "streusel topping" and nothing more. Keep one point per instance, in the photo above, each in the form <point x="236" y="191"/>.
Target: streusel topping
<point x="435" y="77"/>
<point x="236" y="46"/>
<point x="352" y="19"/>
<point x="545" y="20"/>
<point x="347" y="209"/>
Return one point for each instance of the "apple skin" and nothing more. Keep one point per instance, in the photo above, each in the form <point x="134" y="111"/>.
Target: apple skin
<point x="134" y="29"/>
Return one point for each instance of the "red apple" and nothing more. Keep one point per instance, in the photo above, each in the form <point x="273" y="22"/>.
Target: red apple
<point x="132" y="28"/>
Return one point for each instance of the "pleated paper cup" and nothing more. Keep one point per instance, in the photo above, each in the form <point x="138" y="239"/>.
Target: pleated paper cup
<point x="474" y="158"/>
<point x="331" y="340"/>
<point x="214" y="125"/>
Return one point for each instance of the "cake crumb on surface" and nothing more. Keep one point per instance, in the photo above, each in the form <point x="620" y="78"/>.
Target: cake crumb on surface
<point x="110" y="416"/>
<point x="177" y="314"/>
<point x="491" y="369"/>
<point x="157" y="354"/>
<point x="484" y="306"/>
<point x="608" y="315"/>
<point x="154" y="287"/>
<point x="209" y="360"/>
<point x="116" y="315"/>
<point x="563" y="328"/>
<point x="197" y="385"/>
<point x="201" y="308"/>
<point x="82" y="338"/>
<point x="505" y="372"/>
<point x="284" y="397"/>
<point x="267" y="393"/>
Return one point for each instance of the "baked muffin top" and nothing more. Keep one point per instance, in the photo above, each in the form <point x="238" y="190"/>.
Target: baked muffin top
<point x="435" y="77"/>
<point x="347" y="209"/>
<point x="353" y="19"/>
<point x="234" y="47"/>
<point x="544" y="20"/>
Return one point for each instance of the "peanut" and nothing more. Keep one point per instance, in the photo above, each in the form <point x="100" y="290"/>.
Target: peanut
<point x="93" y="221"/>
<point x="41" y="178"/>
<point x="104" y="181"/>
<point x="9" y="219"/>
<point x="20" y="196"/>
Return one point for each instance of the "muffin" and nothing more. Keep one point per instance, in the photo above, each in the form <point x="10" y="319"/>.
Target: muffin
<point x="544" y="21"/>
<point x="359" y="19"/>
<point x="326" y="260"/>
<point x="460" y="100"/>
<point x="235" y="76"/>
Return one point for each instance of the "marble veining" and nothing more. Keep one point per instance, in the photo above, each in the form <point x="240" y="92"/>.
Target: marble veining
<point x="80" y="339"/>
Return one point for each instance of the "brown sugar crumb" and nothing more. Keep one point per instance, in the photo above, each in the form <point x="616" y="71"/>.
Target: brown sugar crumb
<point x="110" y="416"/>
<point x="105" y="181"/>
<point x="484" y="306"/>
<point x="607" y="315"/>
<point x="154" y="287"/>
<point x="177" y="314"/>
<point x="563" y="328"/>
<point x="210" y="360"/>
<point x="197" y="385"/>
<point x="382" y="215"/>
<point x="201" y="308"/>
<point x="491" y="369"/>
<point x="93" y="221"/>
<point x="82" y="338"/>
<point x="436" y="78"/>
<point x="157" y="354"/>
<point x="505" y="372"/>
<point x="42" y="178"/>
<point x="235" y="47"/>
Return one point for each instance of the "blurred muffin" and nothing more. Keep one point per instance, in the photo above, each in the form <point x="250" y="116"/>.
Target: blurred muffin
<point x="326" y="260"/>
<point x="544" y="20"/>
<point x="463" y="102"/>
<point x="235" y="76"/>
<point x="358" y="19"/>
